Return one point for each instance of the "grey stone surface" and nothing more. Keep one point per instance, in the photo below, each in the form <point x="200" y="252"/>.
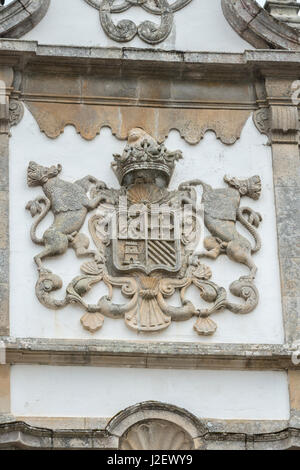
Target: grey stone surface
<point x="4" y="236"/>
<point x="290" y="270"/>
<point x="4" y="266"/>
<point x="288" y="220"/>
<point x="4" y="309"/>
<point x="4" y="208"/>
<point x="4" y="163"/>
<point x="258" y="27"/>
<point x="149" y="355"/>
<point x="291" y="307"/>
<point x="19" y="17"/>
<point x="260" y="435"/>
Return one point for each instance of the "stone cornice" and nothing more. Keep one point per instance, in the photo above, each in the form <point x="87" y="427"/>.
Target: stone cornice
<point x="20" y="435"/>
<point x="149" y="354"/>
<point x="29" y="54"/>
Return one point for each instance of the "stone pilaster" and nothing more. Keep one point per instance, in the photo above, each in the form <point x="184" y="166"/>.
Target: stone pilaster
<point x="6" y="80"/>
<point x="4" y="390"/>
<point x="284" y="135"/>
<point x="294" y="388"/>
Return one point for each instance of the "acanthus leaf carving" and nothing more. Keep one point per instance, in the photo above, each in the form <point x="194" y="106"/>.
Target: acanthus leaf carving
<point x="146" y="238"/>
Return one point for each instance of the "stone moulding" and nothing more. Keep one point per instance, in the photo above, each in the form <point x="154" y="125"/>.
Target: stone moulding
<point x="16" y="435"/>
<point x="20" y="54"/>
<point x="19" y="17"/>
<point x="150" y="355"/>
<point x="256" y="26"/>
<point x="192" y="124"/>
<point x="138" y="426"/>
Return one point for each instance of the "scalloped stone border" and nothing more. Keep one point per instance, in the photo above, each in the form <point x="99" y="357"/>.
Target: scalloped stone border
<point x="19" y="17"/>
<point x="256" y="26"/>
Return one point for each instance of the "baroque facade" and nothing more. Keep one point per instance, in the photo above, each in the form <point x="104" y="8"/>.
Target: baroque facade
<point x="149" y="243"/>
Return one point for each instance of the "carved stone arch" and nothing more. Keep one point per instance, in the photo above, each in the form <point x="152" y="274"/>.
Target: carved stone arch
<point x="19" y="17"/>
<point x="149" y="424"/>
<point x="256" y="26"/>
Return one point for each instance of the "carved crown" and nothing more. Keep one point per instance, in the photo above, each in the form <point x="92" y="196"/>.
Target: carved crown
<point x="142" y="152"/>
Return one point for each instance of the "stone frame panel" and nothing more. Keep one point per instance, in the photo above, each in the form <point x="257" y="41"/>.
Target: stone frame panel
<point x="272" y="74"/>
<point x="27" y="57"/>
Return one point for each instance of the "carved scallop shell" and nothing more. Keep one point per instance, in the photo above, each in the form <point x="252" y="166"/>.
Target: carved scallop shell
<point x="145" y="194"/>
<point x="92" y="322"/>
<point x="92" y="268"/>
<point x="156" y="434"/>
<point x="205" y="326"/>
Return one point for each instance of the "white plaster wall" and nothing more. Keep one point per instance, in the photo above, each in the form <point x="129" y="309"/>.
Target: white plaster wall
<point x="211" y="160"/>
<point x="95" y="392"/>
<point x="200" y="26"/>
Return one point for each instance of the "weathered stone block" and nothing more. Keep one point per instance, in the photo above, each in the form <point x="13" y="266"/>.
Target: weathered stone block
<point x="290" y="275"/>
<point x="291" y="308"/>
<point x="4" y="310"/>
<point x="3" y="163"/>
<point x="4" y="389"/>
<point x="4" y="266"/>
<point x="4" y="236"/>
<point x="286" y="166"/>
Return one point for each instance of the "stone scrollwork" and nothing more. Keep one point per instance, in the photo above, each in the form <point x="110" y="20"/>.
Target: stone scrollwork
<point x="146" y="238"/>
<point x="262" y="121"/>
<point x="16" y="112"/>
<point x="125" y="30"/>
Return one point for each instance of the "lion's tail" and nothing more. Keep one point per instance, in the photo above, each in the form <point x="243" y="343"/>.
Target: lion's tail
<point x="35" y="207"/>
<point x="254" y="219"/>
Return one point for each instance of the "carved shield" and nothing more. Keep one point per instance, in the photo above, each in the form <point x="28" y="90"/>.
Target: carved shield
<point x="150" y="244"/>
<point x="144" y="242"/>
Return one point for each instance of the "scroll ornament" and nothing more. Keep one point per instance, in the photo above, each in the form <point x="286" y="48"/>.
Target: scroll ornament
<point x="146" y="240"/>
<point x="125" y="30"/>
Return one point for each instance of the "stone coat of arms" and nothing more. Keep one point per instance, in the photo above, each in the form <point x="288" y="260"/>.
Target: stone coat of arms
<point x="146" y="240"/>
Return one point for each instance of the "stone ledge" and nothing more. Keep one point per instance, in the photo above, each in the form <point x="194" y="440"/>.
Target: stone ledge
<point x="20" y="435"/>
<point x="20" y="54"/>
<point x="160" y="355"/>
